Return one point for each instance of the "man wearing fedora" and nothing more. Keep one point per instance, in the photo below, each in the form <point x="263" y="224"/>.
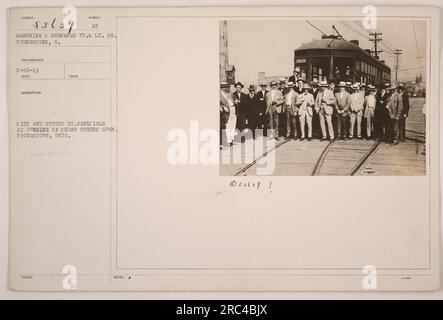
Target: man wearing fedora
<point x="240" y="109"/>
<point x="282" y="116"/>
<point x="405" y="111"/>
<point x="325" y="103"/>
<point x="356" y="101"/>
<point x="227" y="116"/>
<point x="395" y="108"/>
<point x="342" y="100"/>
<point x="291" y="111"/>
<point x="262" y="118"/>
<point x="315" y="117"/>
<point x="305" y="102"/>
<point x="252" y="109"/>
<point x="274" y="107"/>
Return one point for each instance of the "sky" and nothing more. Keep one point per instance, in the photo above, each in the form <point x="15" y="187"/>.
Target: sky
<point x="269" y="45"/>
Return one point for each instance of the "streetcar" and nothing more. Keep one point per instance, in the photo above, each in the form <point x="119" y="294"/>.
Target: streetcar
<point x="332" y="58"/>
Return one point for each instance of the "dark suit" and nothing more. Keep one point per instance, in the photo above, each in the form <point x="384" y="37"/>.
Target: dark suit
<point x="405" y="112"/>
<point x="342" y="105"/>
<point x="252" y="112"/>
<point x="316" y="132"/>
<point x="381" y="116"/>
<point x="262" y="119"/>
<point x="240" y="110"/>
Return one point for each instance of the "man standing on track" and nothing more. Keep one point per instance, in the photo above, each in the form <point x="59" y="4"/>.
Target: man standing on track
<point x="262" y="120"/>
<point x="405" y="112"/>
<point x="342" y="99"/>
<point x="229" y="117"/>
<point x="369" y="105"/>
<point x="224" y="114"/>
<point x="315" y="117"/>
<point x="252" y="109"/>
<point x="282" y="115"/>
<point x="325" y="103"/>
<point x="291" y="111"/>
<point x="356" y="110"/>
<point x="395" y="108"/>
<point x="274" y="101"/>
<point x="240" y="110"/>
<point x="305" y="103"/>
<point x="381" y="114"/>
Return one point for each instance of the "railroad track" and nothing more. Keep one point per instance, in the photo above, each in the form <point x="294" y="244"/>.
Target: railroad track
<point x="351" y="169"/>
<point x="245" y="168"/>
<point x="334" y="158"/>
<point x="350" y="155"/>
<point x="331" y="147"/>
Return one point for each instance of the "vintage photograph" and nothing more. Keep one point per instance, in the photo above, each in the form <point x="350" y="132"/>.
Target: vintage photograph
<point x="301" y="97"/>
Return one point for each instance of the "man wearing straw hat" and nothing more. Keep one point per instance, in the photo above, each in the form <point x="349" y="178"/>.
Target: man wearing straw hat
<point x="342" y="99"/>
<point x="300" y="84"/>
<point x="325" y="103"/>
<point x="274" y="101"/>
<point x="305" y="102"/>
<point x="369" y="107"/>
<point x="356" y="110"/>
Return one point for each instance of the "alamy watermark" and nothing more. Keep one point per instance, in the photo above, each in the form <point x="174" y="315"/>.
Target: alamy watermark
<point x="203" y="147"/>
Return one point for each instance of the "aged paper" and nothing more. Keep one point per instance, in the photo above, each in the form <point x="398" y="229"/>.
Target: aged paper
<point x="119" y="179"/>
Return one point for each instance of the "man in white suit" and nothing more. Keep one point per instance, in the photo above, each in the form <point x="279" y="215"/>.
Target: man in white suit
<point x="227" y="102"/>
<point x="305" y="102"/>
<point x="291" y="111"/>
<point x="342" y="105"/>
<point x="356" y="111"/>
<point x="325" y="103"/>
<point x="369" y="104"/>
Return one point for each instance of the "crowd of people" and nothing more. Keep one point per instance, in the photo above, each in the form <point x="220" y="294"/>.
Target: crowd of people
<point x="294" y="109"/>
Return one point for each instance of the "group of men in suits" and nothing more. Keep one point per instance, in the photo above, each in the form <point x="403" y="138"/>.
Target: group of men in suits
<point x="295" y="109"/>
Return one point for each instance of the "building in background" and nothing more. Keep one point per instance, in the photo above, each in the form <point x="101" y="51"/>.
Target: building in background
<point x="262" y="78"/>
<point x="227" y="71"/>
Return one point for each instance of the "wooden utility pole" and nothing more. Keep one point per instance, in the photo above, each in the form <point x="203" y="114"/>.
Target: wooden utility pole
<point x="376" y="39"/>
